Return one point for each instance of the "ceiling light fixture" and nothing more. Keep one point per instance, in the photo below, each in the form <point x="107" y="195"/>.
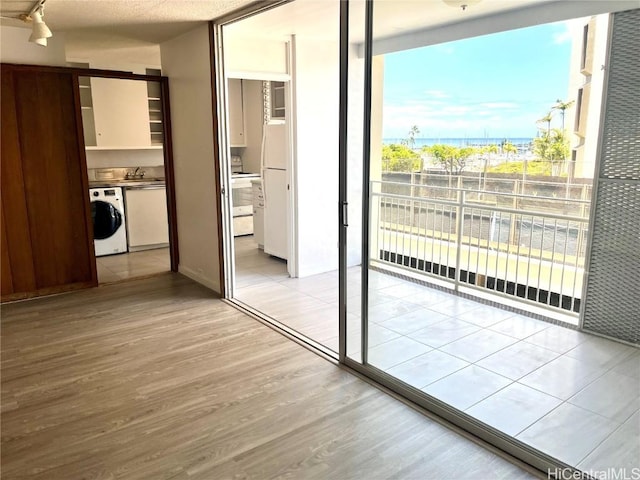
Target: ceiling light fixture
<point x="463" y="4"/>
<point x="39" y="30"/>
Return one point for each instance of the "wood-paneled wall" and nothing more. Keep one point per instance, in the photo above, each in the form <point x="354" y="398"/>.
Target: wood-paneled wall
<point x="47" y="246"/>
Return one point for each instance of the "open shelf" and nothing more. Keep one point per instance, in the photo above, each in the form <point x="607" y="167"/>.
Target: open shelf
<point x="154" y="101"/>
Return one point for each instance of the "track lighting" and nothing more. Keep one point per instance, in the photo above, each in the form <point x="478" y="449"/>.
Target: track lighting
<point x="39" y="30"/>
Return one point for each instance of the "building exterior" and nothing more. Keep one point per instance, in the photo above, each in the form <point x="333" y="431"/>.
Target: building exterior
<point x="586" y="85"/>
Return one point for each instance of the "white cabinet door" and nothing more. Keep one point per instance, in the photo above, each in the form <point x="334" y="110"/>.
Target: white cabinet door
<point x="276" y="146"/>
<point x="146" y="214"/>
<point x="258" y="226"/>
<point x="121" y="112"/>
<point x="276" y="232"/>
<point x="258" y="214"/>
<point x="242" y="225"/>
<point x="236" y="114"/>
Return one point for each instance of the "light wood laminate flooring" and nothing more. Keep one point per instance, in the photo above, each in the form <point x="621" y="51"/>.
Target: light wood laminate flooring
<point x="155" y="379"/>
<point x="126" y="266"/>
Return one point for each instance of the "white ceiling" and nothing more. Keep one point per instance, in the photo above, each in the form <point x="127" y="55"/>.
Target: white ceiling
<point x="90" y="24"/>
<point x="151" y="21"/>
<point x="390" y="17"/>
<point x="154" y="21"/>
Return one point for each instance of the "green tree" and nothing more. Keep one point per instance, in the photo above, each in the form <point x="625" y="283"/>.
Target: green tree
<point x="562" y="107"/>
<point x="400" y="158"/>
<point x="410" y="142"/>
<point x="452" y="159"/>
<point x="552" y="147"/>
<point x="485" y="154"/>
<point x="489" y="150"/>
<point x="509" y="148"/>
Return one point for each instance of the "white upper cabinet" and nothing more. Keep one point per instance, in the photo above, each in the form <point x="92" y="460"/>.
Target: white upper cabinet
<point x="236" y="114"/>
<point x="120" y="113"/>
<point x="278" y="110"/>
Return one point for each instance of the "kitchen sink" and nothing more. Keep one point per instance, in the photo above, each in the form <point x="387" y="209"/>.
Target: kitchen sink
<point x="127" y="182"/>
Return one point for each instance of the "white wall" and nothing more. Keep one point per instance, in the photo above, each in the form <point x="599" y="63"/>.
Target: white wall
<point x="588" y="164"/>
<point x="375" y="169"/>
<point x="316" y="73"/>
<point x="16" y="48"/>
<point x="186" y="61"/>
<point x="124" y="158"/>
<point x="250" y="56"/>
<point x="112" y="52"/>
<point x="355" y="126"/>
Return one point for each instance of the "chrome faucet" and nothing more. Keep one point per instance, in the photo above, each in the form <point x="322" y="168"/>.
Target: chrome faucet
<point x="135" y="174"/>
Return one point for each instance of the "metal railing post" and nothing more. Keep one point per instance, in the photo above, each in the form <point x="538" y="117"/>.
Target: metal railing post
<point x="412" y="194"/>
<point x="583" y="213"/>
<point x="518" y="189"/>
<point x="459" y="227"/>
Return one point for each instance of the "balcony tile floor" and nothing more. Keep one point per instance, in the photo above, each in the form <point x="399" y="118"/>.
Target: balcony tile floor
<point x="572" y="395"/>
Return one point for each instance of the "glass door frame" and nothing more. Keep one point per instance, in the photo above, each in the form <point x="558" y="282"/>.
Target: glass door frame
<point x="221" y="107"/>
<point x="491" y="436"/>
<point x="221" y="102"/>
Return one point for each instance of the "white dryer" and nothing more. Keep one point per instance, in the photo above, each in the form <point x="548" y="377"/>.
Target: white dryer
<point x="107" y="214"/>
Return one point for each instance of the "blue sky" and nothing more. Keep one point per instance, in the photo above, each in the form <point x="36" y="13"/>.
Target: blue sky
<point x="491" y="86"/>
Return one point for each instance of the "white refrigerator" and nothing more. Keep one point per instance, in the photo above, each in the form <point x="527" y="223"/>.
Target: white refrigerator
<point x="275" y="187"/>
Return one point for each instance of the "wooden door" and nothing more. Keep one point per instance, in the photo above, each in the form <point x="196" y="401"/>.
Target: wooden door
<point x="17" y="258"/>
<point x="45" y="204"/>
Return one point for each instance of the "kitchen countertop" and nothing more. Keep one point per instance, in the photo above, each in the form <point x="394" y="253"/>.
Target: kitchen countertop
<point x="145" y="182"/>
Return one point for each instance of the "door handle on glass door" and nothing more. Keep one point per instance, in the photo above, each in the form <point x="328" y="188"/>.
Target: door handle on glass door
<point x="345" y="214"/>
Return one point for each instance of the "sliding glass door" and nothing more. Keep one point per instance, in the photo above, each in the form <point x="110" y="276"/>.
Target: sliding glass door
<point x="281" y="75"/>
<point x="480" y="141"/>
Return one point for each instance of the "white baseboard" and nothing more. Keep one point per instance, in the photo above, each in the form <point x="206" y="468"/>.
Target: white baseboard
<point x="140" y="248"/>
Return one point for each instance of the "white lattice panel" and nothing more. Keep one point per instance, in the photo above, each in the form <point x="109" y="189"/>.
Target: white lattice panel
<point x="612" y="303"/>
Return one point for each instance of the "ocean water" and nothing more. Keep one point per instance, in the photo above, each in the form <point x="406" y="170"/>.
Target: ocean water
<point x="522" y="143"/>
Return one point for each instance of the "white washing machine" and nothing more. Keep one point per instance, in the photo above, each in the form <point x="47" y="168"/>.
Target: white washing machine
<point x="107" y="214"/>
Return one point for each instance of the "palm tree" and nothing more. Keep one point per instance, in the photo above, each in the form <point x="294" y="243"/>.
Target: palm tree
<point x="546" y="119"/>
<point x="562" y="106"/>
<point x="509" y="148"/>
<point x="485" y="155"/>
<point x="411" y="142"/>
<point x="412" y="136"/>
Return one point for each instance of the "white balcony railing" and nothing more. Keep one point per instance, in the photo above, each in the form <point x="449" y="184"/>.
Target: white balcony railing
<point x="528" y="248"/>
